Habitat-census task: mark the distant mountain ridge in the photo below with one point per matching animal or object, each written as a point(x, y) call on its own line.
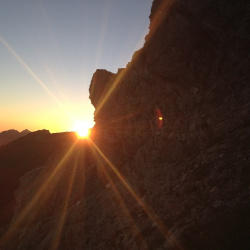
point(11, 135)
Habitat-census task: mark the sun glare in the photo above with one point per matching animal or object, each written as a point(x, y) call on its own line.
point(82, 129)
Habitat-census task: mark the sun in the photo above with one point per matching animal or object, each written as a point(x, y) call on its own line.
point(82, 129)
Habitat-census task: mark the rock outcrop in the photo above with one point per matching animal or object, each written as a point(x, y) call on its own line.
point(167, 166)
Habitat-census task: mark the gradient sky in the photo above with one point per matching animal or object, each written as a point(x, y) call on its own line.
point(51, 48)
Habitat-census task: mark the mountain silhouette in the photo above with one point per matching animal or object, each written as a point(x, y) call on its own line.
point(11, 135)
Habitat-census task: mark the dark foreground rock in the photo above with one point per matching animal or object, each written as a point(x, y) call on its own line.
point(21, 156)
point(167, 166)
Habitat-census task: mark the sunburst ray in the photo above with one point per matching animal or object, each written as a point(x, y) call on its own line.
point(119, 198)
point(149, 211)
point(62, 216)
point(35, 200)
point(29, 70)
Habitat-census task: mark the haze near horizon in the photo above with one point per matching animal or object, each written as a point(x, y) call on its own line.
point(50, 50)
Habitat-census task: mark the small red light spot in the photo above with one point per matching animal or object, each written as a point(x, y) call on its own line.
point(159, 118)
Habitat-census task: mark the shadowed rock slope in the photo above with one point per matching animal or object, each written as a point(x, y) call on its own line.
point(22, 155)
point(167, 166)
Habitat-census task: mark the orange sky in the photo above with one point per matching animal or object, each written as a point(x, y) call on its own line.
point(56, 119)
point(50, 50)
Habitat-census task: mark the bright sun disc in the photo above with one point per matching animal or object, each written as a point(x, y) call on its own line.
point(82, 129)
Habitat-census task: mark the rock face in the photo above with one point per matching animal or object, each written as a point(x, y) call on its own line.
point(168, 164)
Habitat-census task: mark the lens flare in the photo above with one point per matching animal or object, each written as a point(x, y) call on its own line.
point(159, 118)
point(82, 129)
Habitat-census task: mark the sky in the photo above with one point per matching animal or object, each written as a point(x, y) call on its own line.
point(49, 50)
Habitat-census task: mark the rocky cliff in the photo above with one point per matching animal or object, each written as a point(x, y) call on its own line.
point(167, 166)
